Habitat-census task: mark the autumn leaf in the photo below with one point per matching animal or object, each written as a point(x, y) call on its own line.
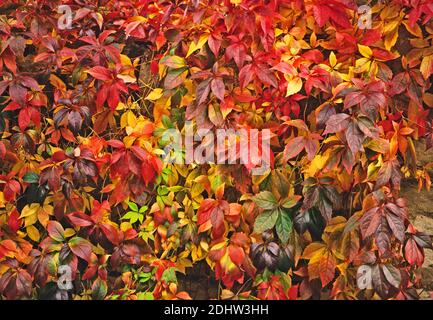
point(80, 247)
point(211, 214)
point(266, 200)
point(426, 67)
point(321, 262)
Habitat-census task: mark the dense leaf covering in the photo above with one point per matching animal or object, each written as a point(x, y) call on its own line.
point(83, 183)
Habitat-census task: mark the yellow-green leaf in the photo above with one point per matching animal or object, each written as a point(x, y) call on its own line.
point(294, 85)
point(365, 51)
point(33, 233)
point(155, 94)
point(197, 46)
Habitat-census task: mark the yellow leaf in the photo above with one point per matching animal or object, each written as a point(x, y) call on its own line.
point(57, 83)
point(174, 62)
point(427, 66)
point(138, 19)
point(197, 46)
point(374, 167)
point(379, 145)
point(127, 78)
point(125, 60)
point(161, 107)
point(100, 19)
point(155, 94)
point(128, 119)
point(362, 65)
point(391, 26)
point(2, 200)
point(332, 59)
point(294, 85)
point(218, 246)
point(226, 263)
point(316, 165)
point(415, 30)
point(365, 51)
point(44, 214)
point(124, 226)
point(336, 224)
point(393, 145)
point(427, 98)
point(226, 294)
point(33, 233)
point(390, 39)
point(389, 12)
point(30, 210)
point(69, 232)
point(315, 249)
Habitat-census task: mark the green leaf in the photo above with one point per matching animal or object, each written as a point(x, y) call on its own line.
point(169, 275)
point(133, 217)
point(284, 226)
point(175, 188)
point(145, 276)
point(216, 182)
point(167, 122)
point(145, 296)
point(99, 289)
point(266, 221)
point(31, 177)
point(266, 200)
point(143, 209)
point(290, 202)
point(175, 78)
point(127, 215)
point(174, 62)
point(56, 231)
point(163, 191)
point(133, 206)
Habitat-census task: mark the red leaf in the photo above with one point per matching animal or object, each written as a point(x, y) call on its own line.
point(11, 189)
point(266, 75)
point(326, 268)
point(23, 283)
point(18, 93)
point(81, 248)
point(214, 45)
point(14, 222)
point(237, 254)
point(80, 219)
point(116, 144)
point(110, 232)
point(237, 51)
point(337, 122)
point(331, 10)
point(218, 88)
point(413, 253)
point(293, 148)
point(354, 137)
point(202, 92)
point(113, 97)
point(246, 75)
point(174, 78)
point(12, 106)
point(213, 211)
point(100, 73)
point(24, 118)
point(2, 150)
point(56, 231)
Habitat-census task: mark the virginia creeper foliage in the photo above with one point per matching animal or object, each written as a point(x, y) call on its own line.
point(83, 183)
